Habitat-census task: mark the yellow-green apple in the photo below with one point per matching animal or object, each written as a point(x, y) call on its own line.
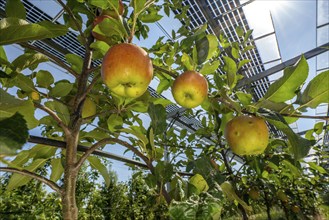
point(96, 21)
point(127, 70)
point(111, 12)
point(254, 193)
point(190, 89)
point(295, 209)
point(35, 96)
point(89, 108)
point(247, 135)
point(282, 196)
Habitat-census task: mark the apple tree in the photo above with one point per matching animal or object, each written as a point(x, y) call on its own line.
point(100, 99)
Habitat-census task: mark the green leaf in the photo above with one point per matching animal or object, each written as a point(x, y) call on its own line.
point(15, 8)
point(239, 31)
point(314, 166)
point(242, 63)
point(103, 4)
point(199, 182)
point(17, 180)
point(247, 48)
point(25, 83)
point(100, 46)
point(207, 48)
point(96, 164)
point(150, 15)
point(284, 88)
point(61, 88)
point(163, 171)
point(9, 105)
point(13, 134)
point(14, 30)
point(112, 29)
point(210, 68)
point(186, 210)
point(57, 169)
point(158, 117)
point(75, 61)
point(3, 57)
point(299, 146)
point(61, 110)
point(318, 127)
point(136, 133)
point(44, 78)
point(247, 35)
point(317, 91)
point(163, 85)
point(230, 68)
point(40, 151)
point(29, 60)
point(229, 191)
point(114, 122)
point(280, 107)
point(21, 158)
point(138, 5)
point(187, 61)
point(244, 98)
point(292, 169)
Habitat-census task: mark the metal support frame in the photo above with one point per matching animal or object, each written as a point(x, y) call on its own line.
point(309, 54)
point(81, 148)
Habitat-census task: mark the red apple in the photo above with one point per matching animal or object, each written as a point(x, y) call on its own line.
point(127, 70)
point(190, 89)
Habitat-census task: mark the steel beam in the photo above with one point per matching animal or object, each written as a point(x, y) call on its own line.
point(309, 54)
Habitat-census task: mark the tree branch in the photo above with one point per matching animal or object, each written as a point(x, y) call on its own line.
point(306, 116)
point(42, 179)
point(91, 150)
point(91, 85)
point(165, 71)
point(54, 116)
point(53, 58)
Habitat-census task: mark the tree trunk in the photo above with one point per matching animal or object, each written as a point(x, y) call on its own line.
point(243, 212)
point(70, 209)
point(285, 212)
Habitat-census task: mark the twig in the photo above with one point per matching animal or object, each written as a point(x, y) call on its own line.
point(93, 69)
point(54, 116)
point(42, 179)
point(87, 119)
point(91, 150)
point(91, 85)
point(53, 98)
point(69, 11)
point(53, 58)
point(165, 71)
point(306, 116)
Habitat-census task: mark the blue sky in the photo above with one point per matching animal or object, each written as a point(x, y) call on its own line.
point(295, 25)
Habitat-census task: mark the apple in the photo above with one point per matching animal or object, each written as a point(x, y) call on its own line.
point(295, 209)
point(127, 70)
point(282, 196)
point(190, 89)
point(96, 21)
point(254, 193)
point(247, 135)
point(111, 12)
point(35, 96)
point(89, 108)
